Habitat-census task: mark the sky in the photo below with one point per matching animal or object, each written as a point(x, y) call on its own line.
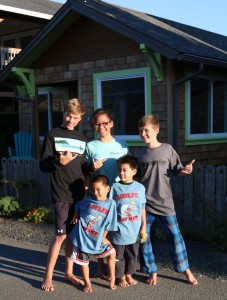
point(205, 14)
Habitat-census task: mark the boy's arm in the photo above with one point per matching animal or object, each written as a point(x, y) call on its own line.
point(75, 218)
point(104, 239)
point(187, 169)
point(51, 160)
point(143, 223)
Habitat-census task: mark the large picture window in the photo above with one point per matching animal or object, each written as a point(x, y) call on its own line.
point(127, 95)
point(206, 109)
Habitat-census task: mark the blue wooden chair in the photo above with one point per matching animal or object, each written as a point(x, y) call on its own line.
point(23, 145)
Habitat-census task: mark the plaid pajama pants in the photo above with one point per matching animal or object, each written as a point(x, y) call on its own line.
point(175, 240)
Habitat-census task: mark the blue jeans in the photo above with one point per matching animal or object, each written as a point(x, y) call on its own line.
point(174, 238)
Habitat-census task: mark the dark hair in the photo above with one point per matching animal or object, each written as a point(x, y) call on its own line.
point(101, 178)
point(129, 159)
point(101, 111)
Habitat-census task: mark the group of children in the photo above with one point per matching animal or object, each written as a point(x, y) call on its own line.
point(110, 226)
point(118, 211)
point(119, 220)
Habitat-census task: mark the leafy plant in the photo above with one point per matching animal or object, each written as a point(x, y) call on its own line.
point(8, 204)
point(39, 215)
point(17, 184)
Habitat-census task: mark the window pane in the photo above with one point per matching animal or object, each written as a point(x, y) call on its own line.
point(200, 109)
point(125, 99)
point(51, 108)
point(220, 107)
point(43, 114)
point(9, 43)
point(58, 102)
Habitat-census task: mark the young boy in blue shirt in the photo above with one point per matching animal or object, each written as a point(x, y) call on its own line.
point(129, 196)
point(94, 216)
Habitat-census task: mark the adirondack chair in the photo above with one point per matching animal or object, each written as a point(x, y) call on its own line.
point(23, 145)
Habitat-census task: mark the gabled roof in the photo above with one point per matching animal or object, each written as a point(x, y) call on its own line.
point(171, 39)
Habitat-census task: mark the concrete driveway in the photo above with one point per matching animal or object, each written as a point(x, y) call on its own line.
point(22, 266)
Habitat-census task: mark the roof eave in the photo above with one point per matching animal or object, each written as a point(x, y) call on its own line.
point(202, 59)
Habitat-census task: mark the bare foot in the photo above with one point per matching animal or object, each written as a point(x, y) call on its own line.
point(130, 280)
point(112, 283)
point(152, 280)
point(122, 282)
point(190, 277)
point(74, 280)
point(88, 288)
point(47, 285)
point(100, 275)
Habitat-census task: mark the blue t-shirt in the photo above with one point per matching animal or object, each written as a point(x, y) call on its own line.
point(95, 217)
point(110, 151)
point(130, 200)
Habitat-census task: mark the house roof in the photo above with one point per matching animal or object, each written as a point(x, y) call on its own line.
point(171, 39)
point(40, 9)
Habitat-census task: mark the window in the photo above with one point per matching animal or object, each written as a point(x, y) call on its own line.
point(51, 102)
point(9, 43)
point(206, 110)
point(127, 95)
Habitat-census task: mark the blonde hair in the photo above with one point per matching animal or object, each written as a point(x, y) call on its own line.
point(149, 120)
point(75, 106)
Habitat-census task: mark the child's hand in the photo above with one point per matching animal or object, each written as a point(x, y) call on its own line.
point(74, 221)
point(97, 164)
point(143, 237)
point(66, 157)
point(142, 229)
point(188, 168)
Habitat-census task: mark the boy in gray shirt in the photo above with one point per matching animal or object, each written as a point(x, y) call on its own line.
point(156, 163)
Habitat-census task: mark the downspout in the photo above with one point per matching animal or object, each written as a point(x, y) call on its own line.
point(175, 103)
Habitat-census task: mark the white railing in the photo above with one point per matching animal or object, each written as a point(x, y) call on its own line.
point(7, 55)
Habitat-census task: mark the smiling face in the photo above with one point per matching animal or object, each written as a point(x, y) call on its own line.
point(126, 173)
point(149, 134)
point(100, 191)
point(70, 121)
point(103, 125)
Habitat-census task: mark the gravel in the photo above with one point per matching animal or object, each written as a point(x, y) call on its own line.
point(41, 234)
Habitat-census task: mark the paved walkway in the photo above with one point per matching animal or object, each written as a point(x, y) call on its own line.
point(22, 267)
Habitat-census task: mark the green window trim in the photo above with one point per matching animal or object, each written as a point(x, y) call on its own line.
point(132, 140)
point(198, 139)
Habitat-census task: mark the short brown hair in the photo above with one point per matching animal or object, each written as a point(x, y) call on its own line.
point(101, 178)
point(75, 106)
point(149, 120)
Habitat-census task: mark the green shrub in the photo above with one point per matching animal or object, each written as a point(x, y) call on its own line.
point(8, 204)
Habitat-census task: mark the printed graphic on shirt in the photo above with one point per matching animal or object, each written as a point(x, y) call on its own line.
point(129, 210)
point(94, 219)
point(71, 145)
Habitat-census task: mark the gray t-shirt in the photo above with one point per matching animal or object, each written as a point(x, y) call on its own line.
point(156, 166)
